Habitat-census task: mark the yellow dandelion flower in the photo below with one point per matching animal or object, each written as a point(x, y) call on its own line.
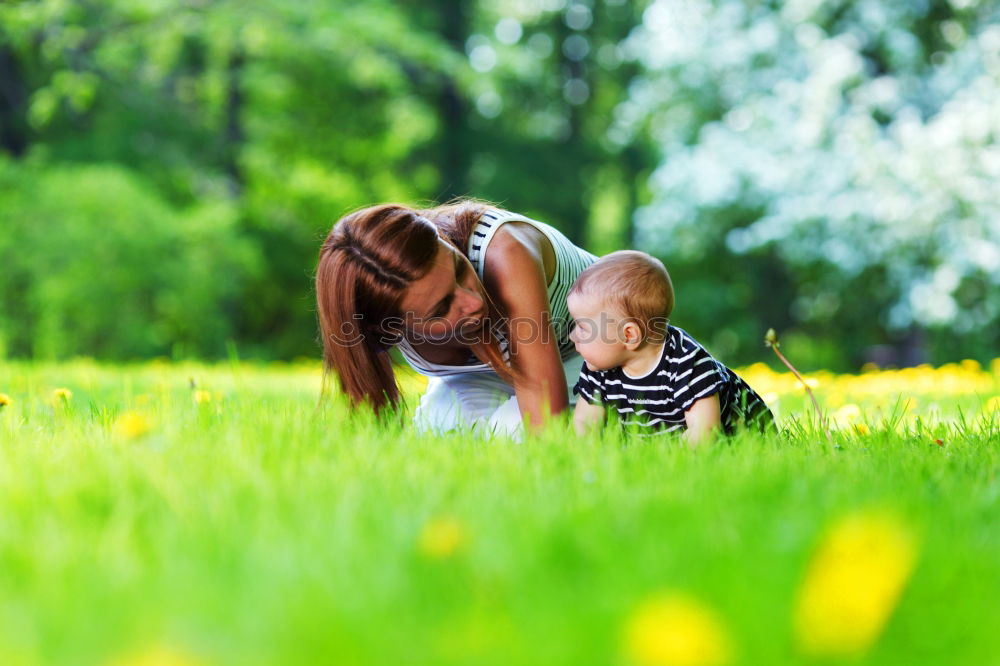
point(847, 414)
point(971, 365)
point(675, 630)
point(132, 425)
point(62, 395)
point(200, 396)
point(853, 584)
point(5, 400)
point(861, 428)
point(811, 382)
point(441, 538)
point(992, 405)
point(158, 655)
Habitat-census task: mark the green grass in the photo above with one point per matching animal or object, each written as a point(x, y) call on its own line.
point(254, 529)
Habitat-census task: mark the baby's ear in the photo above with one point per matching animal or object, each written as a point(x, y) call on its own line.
point(632, 334)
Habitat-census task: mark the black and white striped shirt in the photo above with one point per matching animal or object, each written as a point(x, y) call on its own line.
point(656, 402)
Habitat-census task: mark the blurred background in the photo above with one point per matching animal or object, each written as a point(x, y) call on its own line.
point(829, 168)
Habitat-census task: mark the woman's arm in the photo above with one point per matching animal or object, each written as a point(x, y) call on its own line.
point(515, 278)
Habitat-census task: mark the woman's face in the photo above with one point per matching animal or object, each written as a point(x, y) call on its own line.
point(448, 303)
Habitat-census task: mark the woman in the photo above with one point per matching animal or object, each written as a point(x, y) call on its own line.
point(473, 296)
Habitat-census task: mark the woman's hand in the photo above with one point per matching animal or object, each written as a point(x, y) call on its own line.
point(515, 278)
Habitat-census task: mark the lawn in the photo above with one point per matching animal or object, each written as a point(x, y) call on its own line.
point(182, 514)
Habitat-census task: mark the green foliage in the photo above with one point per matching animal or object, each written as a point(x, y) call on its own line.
point(824, 168)
point(96, 263)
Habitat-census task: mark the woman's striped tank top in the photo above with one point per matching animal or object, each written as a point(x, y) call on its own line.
point(570, 262)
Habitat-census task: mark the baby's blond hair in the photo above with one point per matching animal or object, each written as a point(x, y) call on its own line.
point(635, 284)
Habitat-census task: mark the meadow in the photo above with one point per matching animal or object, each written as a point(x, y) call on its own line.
point(173, 514)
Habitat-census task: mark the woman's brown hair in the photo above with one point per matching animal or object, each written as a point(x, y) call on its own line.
point(367, 262)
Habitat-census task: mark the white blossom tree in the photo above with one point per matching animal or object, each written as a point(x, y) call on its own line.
point(854, 142)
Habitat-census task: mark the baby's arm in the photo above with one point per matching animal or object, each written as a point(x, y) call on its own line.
point(586, 416)
point(702, 417)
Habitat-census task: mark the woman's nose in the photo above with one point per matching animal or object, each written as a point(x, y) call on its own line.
point(472, 302)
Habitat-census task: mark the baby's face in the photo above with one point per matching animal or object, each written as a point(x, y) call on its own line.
point(595, 332)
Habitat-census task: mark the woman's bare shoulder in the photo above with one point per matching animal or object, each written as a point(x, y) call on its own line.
point(517, 246)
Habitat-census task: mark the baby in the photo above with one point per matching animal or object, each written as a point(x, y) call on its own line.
point(654, 375)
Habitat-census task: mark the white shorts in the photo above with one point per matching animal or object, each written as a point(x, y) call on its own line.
point(479, 402)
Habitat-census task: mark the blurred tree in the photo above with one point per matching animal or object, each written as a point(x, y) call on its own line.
point(298, 112)
point(550, 76)
point(136, 279)
point(843, 155)
point(840, 154)
point(295, 113)
point(13, 98)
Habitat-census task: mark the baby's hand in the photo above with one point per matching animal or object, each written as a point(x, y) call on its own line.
point(587, 416)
